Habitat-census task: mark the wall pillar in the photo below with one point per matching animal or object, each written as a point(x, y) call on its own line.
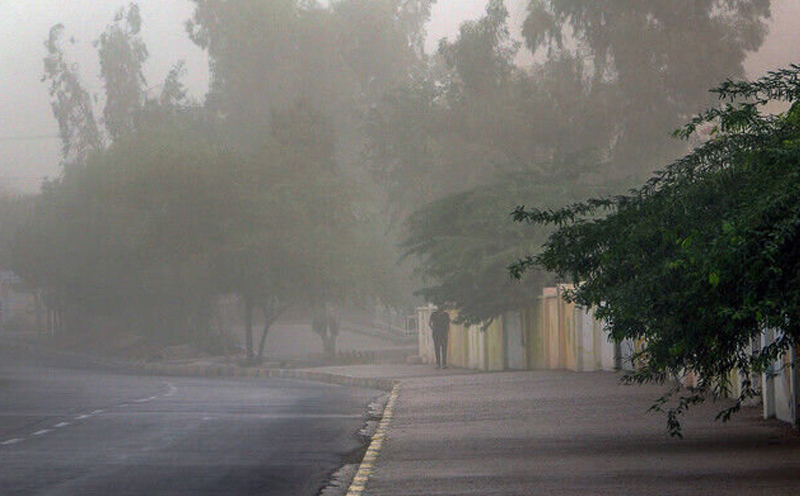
point(768, 379)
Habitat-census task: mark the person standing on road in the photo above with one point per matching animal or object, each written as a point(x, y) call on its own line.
point(440, 325)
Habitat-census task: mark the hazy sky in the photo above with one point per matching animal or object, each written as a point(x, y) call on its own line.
point(24, 25)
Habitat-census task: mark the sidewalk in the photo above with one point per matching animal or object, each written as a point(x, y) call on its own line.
point(562, 433)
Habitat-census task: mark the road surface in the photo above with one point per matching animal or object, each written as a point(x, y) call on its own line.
point(82, 432)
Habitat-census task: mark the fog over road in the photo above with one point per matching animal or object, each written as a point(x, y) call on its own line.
point(76, 432)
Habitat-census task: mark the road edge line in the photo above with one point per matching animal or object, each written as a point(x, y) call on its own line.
point(367, 465)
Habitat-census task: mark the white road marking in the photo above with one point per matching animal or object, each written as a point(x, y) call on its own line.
point(171, 390)
point(123, 405)
point(39, 433)
point(81, 417)
point(62, 424)
point(11, 441)
point(142, 400)
point(206, 419)
point(308, 415)
point(97, 412)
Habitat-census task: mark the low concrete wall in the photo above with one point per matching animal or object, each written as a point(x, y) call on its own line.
point(550, 329)
point(495, 358)
point(533, 321)
point(779, 391)
point(425, 335)
point(585, 330)
point(457, 343)
point(476, 348)
point(560, 335)
point(566, 330)
point(550, 334)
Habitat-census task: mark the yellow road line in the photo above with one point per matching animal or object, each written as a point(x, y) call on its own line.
point(368, 463)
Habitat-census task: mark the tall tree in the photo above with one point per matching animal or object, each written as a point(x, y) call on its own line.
point(483, 53)
point(382, 41)
point(660, 55)
point(71, 103)
point(473, 116)
point(124, 242)
point(465, 241)
point(594, 109)
point(122, 56)
point(266, 56)
point(703, 257)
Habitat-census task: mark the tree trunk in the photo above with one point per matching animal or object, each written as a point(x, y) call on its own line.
point(333, 333)
point(268, 320)
point(37, 303)
point(329, 344)
point(332, 321)
point(51, 328)
point(248, 330)
point(58, 321)
point(319, 325)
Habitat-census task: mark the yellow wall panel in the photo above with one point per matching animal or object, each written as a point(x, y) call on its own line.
point(494, 345)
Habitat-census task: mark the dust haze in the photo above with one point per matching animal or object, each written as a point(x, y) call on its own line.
point(283, 185)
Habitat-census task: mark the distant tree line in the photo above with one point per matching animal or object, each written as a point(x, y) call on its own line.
point(587, 110)
point(330, 144)
point(695, 264)
point(164, 204)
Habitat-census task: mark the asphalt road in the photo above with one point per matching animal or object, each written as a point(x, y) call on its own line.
point(82, 432)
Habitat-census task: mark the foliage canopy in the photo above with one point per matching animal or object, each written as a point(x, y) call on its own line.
point(704, 256)
point(464, 242)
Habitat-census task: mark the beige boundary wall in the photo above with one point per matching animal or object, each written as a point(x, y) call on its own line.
point(550, 334)
point(424, 334)
point(561, 335)
point(780, 385)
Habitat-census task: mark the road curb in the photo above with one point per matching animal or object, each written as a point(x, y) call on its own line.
point(359, 483)
point(214, 370)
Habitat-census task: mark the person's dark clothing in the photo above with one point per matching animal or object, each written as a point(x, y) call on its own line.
point(440, 327)
point(440, 347)
point(440, 321)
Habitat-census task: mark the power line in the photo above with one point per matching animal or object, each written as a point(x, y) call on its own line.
point(28, 177)
point(31, 137)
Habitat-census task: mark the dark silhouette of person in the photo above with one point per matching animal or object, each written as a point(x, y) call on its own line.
point(440, 325)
